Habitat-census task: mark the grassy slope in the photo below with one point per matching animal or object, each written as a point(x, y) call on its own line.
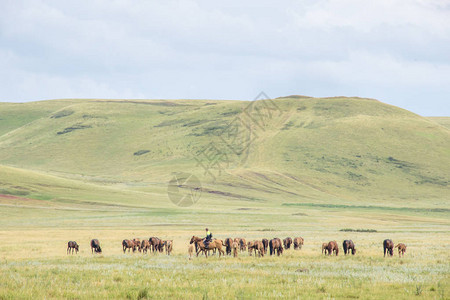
point(310, 150)
point(444, 121)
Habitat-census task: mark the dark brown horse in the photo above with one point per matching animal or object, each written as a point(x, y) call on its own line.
point(95, 245)
point(349, 245)
point(401, 249)
point(214, 244)
point(298, 243)
point(388, 246)
point(265, 244)
point(242, 245)
point(161, 246)
point(324, 248)
point(287, 242)
point(154, 243)
point(137, 245)
point(145, 246)
point(127, 244)
point(332, 247)
point(228, 245)
point(72, 245)
point(275, 246)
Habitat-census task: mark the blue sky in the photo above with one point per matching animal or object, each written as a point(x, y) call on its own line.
point(394, 51)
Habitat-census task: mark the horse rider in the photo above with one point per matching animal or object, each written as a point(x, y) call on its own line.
point(208, 238)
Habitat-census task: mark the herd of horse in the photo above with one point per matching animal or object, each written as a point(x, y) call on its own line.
point(153, 244)
point(198, 245)
point(236, 245)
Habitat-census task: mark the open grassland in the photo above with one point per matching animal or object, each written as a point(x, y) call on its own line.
point(40, 268)
point(83, 169)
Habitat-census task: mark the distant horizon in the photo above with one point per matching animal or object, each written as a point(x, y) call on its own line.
point(209, 99)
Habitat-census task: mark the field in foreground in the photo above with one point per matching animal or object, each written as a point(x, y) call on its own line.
point(40, 268)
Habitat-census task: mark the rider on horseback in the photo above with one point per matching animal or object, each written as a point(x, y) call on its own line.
point(208, 238)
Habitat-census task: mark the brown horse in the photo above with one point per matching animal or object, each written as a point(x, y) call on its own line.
point(287, 242)
point(324, 248)
point(250, 247)
point(401, 249)
point(348, 245)
point(242, 245)
point(95, 245)
point(265, 244)
point(127, 244)
point(259, 247)
point(298, 243)
point(228, 245)
point(388, 246)
point(137, 244)
point(275, 246)
point(154, 243)
point(145, 246)
point(214, 244)
point(161, 246)
point(235, 247)
point(333, 247)
point(168, 245)
point(71, 245)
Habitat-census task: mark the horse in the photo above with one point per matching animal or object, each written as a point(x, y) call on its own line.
point(388, 246)
point(145, 246)
point(95, 245)
point(214, 244)
point(287, 242)
point(401, 249)
point(137, 244)
point(228, 245)
point(275, 245)
point(169, 246)
point(298, 243)
point(72, 245)
point(333, 247)
point(235, 247)
point(259, 247)
point(154, 243)
point(348, 245)
point(324, 248)
point(265, 244)
point(250, 247)
point(161, 246)
point(242, 245)
point(127, 244)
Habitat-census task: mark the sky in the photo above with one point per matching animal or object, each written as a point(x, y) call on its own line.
point(395, 51)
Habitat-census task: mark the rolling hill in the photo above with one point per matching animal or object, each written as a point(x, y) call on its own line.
point(287, 151)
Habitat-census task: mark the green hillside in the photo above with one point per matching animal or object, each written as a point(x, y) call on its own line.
point(444, 121)
point(300, 150)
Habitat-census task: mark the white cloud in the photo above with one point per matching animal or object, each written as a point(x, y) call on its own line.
point(199, 49)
